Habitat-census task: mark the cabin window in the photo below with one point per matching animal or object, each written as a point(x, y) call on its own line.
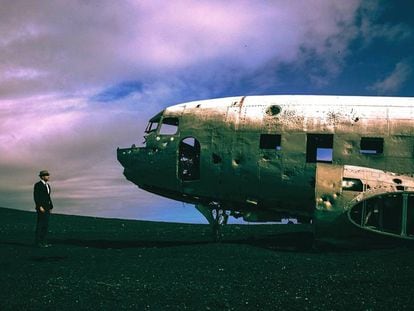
point(352, 184)
point(319, 148)
point(169, 126)
point(270, 141)
point(372, 145)
point(189, 159)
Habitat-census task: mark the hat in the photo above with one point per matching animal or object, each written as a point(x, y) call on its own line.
point(43, 173)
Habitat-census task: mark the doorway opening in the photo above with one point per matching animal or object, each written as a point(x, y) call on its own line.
point(189, 159)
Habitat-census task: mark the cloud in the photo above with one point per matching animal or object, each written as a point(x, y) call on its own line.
point(394, 81)
point(371, 27)
point(78, 146)
point(80, 78)
point(84, 45)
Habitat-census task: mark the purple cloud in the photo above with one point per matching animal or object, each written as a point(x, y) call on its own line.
point(60, 55)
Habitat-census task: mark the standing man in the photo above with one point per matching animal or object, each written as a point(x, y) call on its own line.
point(41, 194)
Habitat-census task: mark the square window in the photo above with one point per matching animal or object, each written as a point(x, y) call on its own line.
point(372, 145)
point(319, 148)
point(324, 155)
point(270, 141)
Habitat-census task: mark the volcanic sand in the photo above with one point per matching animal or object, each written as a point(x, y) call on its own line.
point(107, 264)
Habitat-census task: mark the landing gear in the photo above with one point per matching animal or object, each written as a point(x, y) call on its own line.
point(216, 217)
point(220, 220)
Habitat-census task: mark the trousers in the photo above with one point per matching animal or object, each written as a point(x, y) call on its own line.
point(42, 226)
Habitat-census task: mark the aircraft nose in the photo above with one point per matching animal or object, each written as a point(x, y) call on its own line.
point(126, 156)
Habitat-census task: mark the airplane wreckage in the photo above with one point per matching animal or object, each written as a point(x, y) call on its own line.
point(344, 163)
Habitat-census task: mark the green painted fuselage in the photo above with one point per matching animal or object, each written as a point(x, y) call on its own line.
point(259, 154)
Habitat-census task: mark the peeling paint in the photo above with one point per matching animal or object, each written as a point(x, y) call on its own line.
point(243, 177)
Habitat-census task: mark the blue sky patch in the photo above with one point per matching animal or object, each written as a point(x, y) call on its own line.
point(118, 91)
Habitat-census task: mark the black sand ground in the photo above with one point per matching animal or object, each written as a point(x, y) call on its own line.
point(102, 264)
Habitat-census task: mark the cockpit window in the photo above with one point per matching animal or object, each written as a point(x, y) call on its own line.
point(153, 123)
point(151, 127)
point(169, 126)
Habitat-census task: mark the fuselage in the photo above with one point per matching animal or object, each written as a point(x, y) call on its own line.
point(261, 153)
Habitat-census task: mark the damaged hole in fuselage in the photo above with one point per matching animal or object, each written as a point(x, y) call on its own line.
point(384, 214)
point(352, 184)
point(392, 213)
point(273, 110)
point(216, 158)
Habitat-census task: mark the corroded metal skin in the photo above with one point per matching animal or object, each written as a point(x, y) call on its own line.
point(379, 204)
point(270, 157)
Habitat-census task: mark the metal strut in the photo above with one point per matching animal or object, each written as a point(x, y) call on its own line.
point(216, 217)
point(220, 220)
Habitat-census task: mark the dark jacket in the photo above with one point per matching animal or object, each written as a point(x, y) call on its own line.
point(41, 196)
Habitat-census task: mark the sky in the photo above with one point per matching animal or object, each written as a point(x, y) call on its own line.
point(79, 78)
